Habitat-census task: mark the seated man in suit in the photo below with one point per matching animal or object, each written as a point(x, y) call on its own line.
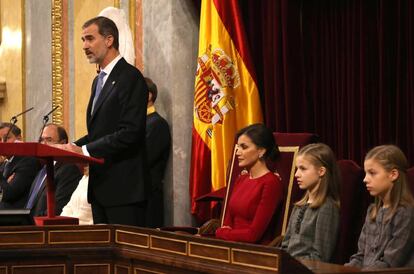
point(158, 142)
point(17, 172)
point(66, 178)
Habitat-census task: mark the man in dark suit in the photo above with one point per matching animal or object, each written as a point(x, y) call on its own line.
point(158, 150)
point(116, 116)
point(66, 177)
point(17, 172)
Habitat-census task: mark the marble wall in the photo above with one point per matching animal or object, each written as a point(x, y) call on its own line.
point(170, 35)
point(38, 65)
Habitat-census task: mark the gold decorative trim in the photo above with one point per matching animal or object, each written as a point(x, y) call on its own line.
point(233, 158)
point(190, 244)
point(147, 270)
point(276, 256)
point(88, 265)
point(57, 60)
point(1, 29)
point(294, 150)
point(117, 232)
point(77, 232)
point(117, 4)
point(37, 266)
point(42, 233)
point(132, 17)
point(116, 266)
point(168, 240)
point(23, 61)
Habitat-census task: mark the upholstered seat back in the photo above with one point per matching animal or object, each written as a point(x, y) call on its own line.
point(289, 145)
point(354, 203)
point(410, 179)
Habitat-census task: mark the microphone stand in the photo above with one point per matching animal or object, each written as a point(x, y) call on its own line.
point(13, 121)
point(45, 120)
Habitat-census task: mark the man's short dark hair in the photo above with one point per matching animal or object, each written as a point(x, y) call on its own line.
point(15, 130)
point(61, 131)
point(152, 88)
point(106, 27)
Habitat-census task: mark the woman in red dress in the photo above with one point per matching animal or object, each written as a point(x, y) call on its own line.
point(258, 193)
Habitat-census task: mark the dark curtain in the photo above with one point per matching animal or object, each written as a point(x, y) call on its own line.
point(341, 69)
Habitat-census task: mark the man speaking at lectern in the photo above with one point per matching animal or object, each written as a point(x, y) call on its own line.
point(115, 119)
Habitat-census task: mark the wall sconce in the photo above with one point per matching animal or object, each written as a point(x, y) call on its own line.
point(3, 90)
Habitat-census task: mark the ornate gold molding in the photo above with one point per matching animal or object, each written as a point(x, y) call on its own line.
point(1, 29)
point(3, 89)
point(57, 60)
point(132, 18)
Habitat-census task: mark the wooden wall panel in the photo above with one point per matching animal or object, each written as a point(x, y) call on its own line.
point(92, 269)
point(167, 253)
point(122, 269)
point(38, 269)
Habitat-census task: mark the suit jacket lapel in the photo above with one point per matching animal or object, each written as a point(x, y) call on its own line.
point(9, 166)
point(44, 183)
point(106, 90)
point(88, 111)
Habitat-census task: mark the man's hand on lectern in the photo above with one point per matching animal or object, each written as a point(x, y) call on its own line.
point(70, 147)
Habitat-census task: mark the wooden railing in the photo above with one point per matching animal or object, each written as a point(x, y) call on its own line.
point(117, 249)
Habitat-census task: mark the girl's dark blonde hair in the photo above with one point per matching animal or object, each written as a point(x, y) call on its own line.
point(321, 155)
point(391, 157)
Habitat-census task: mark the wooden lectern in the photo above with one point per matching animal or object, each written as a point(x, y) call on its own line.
point(48, 154)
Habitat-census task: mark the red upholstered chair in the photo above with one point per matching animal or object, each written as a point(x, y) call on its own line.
point(410, 178)
point(289, 145)
point(355, 200)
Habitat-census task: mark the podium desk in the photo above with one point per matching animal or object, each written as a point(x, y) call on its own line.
point(48, 154)
point(109, 249)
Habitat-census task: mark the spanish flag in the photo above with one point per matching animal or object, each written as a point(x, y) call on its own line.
point(226, 97)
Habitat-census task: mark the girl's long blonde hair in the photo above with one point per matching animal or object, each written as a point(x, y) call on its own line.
point(391, 157)
point(321, 155)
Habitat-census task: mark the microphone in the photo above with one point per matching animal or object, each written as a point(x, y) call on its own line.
point(46, 117)
point(13, 121)
point(45, 120)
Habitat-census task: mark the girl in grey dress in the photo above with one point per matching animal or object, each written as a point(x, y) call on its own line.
point(387, 237)
point(313, 225)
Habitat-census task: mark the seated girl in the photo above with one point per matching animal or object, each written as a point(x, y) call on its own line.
point(258, 193)
point(314, 223)
point(387, 237)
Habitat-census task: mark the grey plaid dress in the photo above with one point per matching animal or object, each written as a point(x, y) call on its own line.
point(385, 244)
point(312, 232)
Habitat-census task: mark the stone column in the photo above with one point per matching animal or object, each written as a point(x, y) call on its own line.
point(38, 69)
point(170, 35)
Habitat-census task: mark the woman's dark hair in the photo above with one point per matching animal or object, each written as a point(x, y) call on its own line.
point(262, 137)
